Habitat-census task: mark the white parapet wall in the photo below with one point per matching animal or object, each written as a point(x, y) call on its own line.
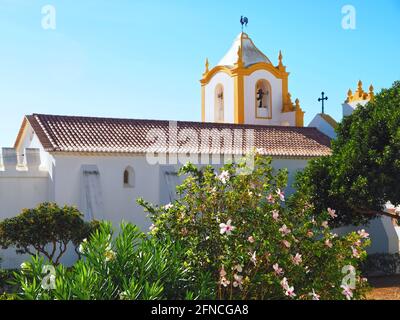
point(23, 184)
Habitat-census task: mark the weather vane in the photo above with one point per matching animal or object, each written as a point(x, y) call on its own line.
point(244, 21)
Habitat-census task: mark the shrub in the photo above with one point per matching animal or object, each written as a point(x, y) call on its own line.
point(132, 266)
point(6, 296)
point(47, 229)
point(237, 232)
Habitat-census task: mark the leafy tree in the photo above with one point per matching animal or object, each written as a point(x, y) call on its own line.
point(47, 229)
point(236, 231)
point(363, 173)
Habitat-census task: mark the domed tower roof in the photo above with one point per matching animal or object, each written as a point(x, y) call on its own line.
point(250, 53)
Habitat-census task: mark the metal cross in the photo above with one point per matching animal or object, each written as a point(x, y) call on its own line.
point(323, 99)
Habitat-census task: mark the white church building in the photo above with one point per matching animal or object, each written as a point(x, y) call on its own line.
point(102, 165)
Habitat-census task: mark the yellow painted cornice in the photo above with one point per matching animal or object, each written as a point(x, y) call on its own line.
point(360, 94)
point(280, 74)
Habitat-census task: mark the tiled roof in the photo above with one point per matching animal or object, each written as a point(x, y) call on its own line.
point(108, 135)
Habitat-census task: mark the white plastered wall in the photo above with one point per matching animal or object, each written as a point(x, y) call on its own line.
point(229, 99)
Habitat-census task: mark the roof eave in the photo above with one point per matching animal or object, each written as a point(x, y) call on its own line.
point(20, 133)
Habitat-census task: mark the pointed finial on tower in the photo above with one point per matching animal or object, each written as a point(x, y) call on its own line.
point(360, 91)
point(349, 93)
point(297, 103)
point(280, 66)
point(371, 92)
point(349, 96)
point(207, 65)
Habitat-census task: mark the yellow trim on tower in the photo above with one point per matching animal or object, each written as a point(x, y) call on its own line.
point(203, 103)
point(244, 71)
point(360, 94)
point(299, 114)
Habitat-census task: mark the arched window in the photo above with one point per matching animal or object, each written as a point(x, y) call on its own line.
point(219, 103)
point(129, 177)
point(263, 99)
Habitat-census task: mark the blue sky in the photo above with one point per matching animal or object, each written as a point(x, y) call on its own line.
point(144, 59)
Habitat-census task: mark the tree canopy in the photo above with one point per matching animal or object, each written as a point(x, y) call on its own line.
point(47, 229)
point(363, 172)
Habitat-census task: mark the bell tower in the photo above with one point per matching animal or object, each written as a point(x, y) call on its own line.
point(246, 88)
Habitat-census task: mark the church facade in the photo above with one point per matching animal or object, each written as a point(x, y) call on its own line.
point(101, 165)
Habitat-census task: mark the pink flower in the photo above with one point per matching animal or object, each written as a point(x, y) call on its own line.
point(358, 243)
point(363, 234)
point(332, 213)
point(314, 295)
point(222, 272)
point(286, 243)
point(290, 292)
point(347, 292)
point(168, 206)
point(284, 230)
point(277, 269)
point(271, 199)
point(251, 239)
point(284, 283)
point(238, 281)
point(275, 215)
point(281, 194)
point(297, 259)
point(226, 228)
point(225, 282)
point(325, 224)
point(328, 243)
point(224, 177)
point(253, 257)
point(356, 254)
point(238, 268)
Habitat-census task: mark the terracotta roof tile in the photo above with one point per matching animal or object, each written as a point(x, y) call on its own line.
point(108, 135)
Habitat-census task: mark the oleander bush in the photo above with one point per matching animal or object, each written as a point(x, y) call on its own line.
point(236, 226)
point(130, 266)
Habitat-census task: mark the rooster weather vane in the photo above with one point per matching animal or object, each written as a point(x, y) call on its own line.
point(244, 21)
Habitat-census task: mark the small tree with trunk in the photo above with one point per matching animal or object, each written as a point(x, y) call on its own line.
point(47, 229)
